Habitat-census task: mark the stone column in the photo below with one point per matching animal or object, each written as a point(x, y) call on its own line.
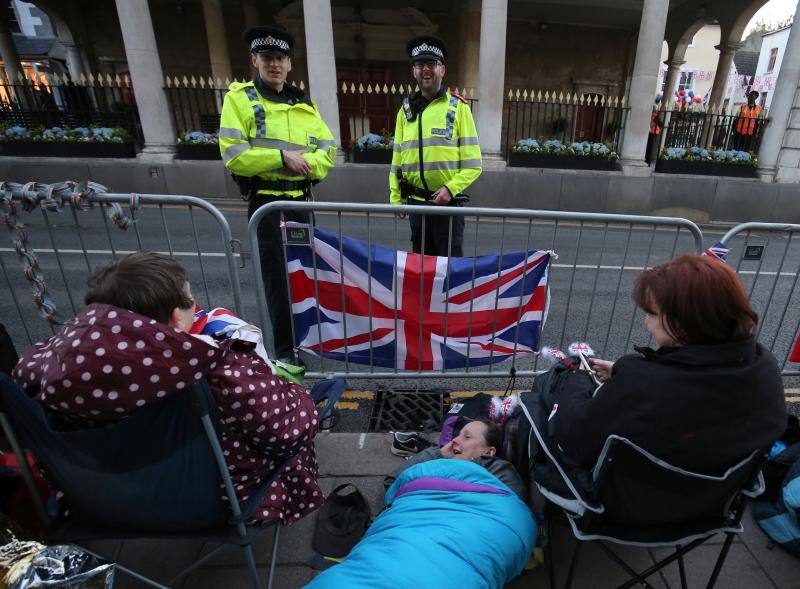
point(470, 45)
point(147, 77)
point(726, 53)
point(74, 61)
point(250, 10)
point(673, 76)
point(322, 62)
point(779, 156)
point(8, 51)
point(643, 84)
point(491, 77)
point(217, 40)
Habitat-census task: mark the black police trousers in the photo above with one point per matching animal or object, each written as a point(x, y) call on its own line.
point(436, 232)
point(273, 268)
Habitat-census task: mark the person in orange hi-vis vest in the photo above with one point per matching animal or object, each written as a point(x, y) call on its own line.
point(746, 128)
point(656, 124)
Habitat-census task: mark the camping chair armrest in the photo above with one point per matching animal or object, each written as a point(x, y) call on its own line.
point(757, 488)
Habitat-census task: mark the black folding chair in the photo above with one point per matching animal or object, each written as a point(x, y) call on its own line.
point(636, 499)
point(158, 473)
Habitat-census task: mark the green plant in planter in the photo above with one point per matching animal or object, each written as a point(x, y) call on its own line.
point(735, 157)
point(93, 134)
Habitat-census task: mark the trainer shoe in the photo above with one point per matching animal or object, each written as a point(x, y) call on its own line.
point(408, 443)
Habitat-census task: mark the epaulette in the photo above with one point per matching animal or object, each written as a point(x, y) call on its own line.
point(461, 98)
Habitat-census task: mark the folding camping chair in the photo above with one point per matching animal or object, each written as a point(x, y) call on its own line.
point(639, 500)
point(155, 474)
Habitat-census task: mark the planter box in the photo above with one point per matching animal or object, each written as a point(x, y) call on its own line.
point(190, 151)
point(372, 156)
point(734, 170)
point(563, 162)
point(684, 167)
point(66, 149)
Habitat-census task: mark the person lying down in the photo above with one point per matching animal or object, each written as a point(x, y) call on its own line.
point(453, 517)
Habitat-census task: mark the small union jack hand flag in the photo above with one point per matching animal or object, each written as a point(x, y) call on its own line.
point(581, 347)
point(718, 251)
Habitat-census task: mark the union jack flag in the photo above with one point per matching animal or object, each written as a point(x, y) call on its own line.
point(719, 250)
point(416, 314)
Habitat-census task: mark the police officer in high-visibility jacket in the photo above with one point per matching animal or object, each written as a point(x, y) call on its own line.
point(436, 152)
point(274, 141)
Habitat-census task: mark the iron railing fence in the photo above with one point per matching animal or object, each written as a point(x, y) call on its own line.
point(50, 100)
point(567, 118)
point(712, 129)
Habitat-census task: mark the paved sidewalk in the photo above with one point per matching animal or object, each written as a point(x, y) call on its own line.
point(364, 459)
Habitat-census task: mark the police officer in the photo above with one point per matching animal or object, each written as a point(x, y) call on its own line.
point(436, 152)
point(274, 141)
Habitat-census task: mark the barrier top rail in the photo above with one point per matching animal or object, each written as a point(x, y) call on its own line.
point(583, 219)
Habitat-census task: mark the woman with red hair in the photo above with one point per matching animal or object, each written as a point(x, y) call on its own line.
point(705, 398)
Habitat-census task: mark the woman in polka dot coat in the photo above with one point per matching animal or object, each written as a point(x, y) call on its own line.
point(109, 361)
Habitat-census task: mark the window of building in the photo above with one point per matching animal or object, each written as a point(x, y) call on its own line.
point(764, 98)
point(13, 23)
point(687, 81)
point(773, 57)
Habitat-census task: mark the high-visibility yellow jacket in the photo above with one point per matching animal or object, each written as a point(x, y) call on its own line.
point(254, 130)
point(437, 147)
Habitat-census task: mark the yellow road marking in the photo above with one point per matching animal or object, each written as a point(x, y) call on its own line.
point(358, 395)
point(352, 405)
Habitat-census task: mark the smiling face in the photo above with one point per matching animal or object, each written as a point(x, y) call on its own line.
point(428, 74)
point(471, 442)
point(273, 68)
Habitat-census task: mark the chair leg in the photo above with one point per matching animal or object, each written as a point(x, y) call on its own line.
point(549, 554)
point(720, 561)
point(274, 559)
point(250, 559)
point(573, 564)
point(681, 568)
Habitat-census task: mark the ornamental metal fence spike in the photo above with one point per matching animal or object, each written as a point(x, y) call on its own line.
point(369, 88)
point(227, 82)
point(302, 85)
point(176, 82)
point(82, 79)
point(622, 102)
point(193, 80)
point(525, 95)
point(218, 82)
point(344, 88)
point(352, 88)
point(167, 82)
point(547, 96)
point(385, 88)
point(185, 82)
point(360, 88)
point(201, 82)
point(416, 88)
point(393, 89)
point(517, 95)
point(109, 80)
point(510, 94)
point(90, 79)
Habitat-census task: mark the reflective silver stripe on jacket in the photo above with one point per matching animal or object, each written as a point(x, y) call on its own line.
point(427, 142)
point(438, 166)
point(325, 144)
point(467, 141)
point(234, 150)
point(230, 133)
point(258, 111)
point(277, 144)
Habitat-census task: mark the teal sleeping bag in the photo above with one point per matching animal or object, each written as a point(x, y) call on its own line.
point(449, 523)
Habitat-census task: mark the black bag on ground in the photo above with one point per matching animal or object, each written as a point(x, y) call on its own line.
point(341, 522)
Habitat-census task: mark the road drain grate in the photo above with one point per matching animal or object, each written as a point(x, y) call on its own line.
point(408, 410)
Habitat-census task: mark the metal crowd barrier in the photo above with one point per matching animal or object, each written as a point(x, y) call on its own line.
point(69, 244)
point(599, 256)
point(767, 258)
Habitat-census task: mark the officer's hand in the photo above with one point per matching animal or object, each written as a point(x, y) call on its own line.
point(442, 196)
point(296, 163)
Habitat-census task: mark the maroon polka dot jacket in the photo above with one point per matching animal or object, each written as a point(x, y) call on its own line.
point(108, 362)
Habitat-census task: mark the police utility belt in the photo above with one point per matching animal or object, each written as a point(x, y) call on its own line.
point(407, 191)
point(250, 185)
